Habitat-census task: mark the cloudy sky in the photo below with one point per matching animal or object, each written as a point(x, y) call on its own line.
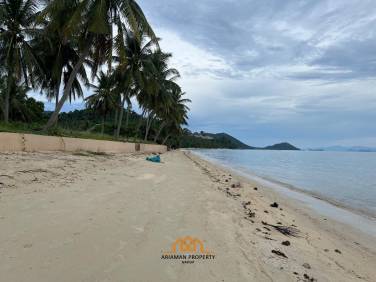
point(267, 71)
point(271, 70)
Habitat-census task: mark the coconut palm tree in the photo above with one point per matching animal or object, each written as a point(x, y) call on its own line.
point(134, 65)
point(16, 53)
point(58, 57)
point(103, 99)
point(175, 115)
point(91, 25)
point(158, 97)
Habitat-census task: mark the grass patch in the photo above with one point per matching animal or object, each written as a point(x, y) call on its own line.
point(37, 128)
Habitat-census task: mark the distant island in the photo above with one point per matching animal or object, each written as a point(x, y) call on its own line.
point(223, 141)
point(344, 149)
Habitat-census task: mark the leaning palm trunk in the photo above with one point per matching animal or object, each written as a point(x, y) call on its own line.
point(67, 90)
point(120, 117)
point(159, 131)
point(166, 138)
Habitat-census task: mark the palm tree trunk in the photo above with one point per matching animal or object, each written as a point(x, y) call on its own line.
point(6, 105)
point(102, 130)
point(164, 140)
point(116, 118)
point(56, 99)
point(7, 97)
point(140, 122)
point(57, 90)
point(120, 118)
point(127, 117)
point(148, 125)
point(67, 90)
point(159, 131)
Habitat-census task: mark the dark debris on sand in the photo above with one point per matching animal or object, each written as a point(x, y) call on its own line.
point(274, 205)
point(286, 243)
point(279, 253)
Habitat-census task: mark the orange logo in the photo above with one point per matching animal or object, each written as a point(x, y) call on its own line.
point(188, 249)
point(188, 245)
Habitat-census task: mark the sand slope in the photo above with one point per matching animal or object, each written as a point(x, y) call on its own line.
point(67, 217)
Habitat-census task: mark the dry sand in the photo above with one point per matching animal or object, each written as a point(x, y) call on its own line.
point(67, 217)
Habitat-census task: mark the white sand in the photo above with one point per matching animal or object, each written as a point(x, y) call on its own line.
point(67, 217)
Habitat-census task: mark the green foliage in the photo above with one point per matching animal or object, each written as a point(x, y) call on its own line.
point(50, 45)
point(21, 107)
point(210, 140)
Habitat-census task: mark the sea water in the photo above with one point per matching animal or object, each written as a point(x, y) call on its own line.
point(346, 179)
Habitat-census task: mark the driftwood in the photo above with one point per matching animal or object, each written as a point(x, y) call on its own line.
point(285, 230)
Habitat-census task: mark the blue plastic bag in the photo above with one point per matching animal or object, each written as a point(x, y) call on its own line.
point(154, 159)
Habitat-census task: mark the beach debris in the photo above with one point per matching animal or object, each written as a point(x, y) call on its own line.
point(296, 273)
point(286, 243)
point(285, 230)
point(226, 180)
point(255, 188)
point(271, 239)
point(338, 251)
point(233, 195)
point(306, 265)
point(279, 253)
point(236, 185)
point(154, 159)
point(274, 205)
point(266, 228)
point(266, 212)
point(251, 214)
point(247, 218)
point(307, 278)
point(245, 204)
point(248, 211)
point(280, 223)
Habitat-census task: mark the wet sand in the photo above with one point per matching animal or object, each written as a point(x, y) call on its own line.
point(84, 217)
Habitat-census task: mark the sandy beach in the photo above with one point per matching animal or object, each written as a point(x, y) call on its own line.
point(89, 217)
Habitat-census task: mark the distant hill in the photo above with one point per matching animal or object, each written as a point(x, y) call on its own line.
point(212, 141)
point(281, 146)
point(223, 141)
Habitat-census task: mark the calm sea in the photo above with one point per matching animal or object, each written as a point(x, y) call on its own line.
point(345, 178)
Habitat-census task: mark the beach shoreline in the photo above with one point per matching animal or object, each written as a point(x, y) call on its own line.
point(333, 207)
point(59, 211)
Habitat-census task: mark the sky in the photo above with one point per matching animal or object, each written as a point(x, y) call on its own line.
point(301, 71)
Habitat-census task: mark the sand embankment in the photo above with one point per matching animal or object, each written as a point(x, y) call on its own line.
point(77, 217)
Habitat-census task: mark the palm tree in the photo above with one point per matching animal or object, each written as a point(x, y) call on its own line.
point(103, 99)
point(91, 25)
point(176, 115)
point(158, 97)
point(134, 65)
point(58, 57)
point(16, 53)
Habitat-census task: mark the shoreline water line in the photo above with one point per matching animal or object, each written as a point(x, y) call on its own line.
point(364, 221)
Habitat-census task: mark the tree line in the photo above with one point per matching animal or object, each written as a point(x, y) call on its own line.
point(58, 47)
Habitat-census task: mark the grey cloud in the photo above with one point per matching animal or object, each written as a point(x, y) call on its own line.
point(261, 34)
